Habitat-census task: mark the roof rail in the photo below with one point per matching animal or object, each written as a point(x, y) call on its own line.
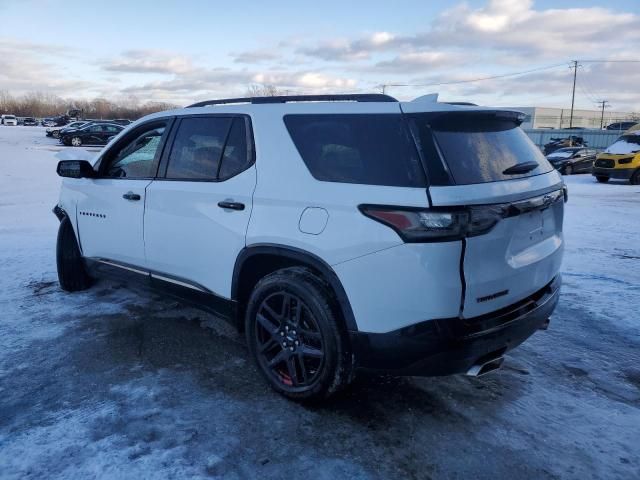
point(359, 97)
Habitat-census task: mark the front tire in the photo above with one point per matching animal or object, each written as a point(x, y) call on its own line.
point(602, 179)
point(568, 170)
point(72, 273)
point(296, 336)
point(76, 141)
point(635, 178)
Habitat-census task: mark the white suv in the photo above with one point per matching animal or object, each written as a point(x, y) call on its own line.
point(339, 232)
point(9, 120)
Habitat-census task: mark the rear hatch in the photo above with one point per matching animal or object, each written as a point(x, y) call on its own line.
point(481, 162)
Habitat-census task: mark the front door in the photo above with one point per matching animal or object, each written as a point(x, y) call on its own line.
point(111, 207)
point(197, 215)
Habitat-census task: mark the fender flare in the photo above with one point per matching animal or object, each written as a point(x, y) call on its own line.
point(300, 256)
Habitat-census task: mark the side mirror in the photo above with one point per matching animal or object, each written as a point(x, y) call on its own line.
point(75, 169)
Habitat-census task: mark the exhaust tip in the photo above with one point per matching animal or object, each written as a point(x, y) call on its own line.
point(481, 369)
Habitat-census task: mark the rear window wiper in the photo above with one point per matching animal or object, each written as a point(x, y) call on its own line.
point(523, 167)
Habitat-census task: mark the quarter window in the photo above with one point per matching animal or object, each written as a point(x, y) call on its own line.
point(352, 148)
point(137, 158)
point(235, 158)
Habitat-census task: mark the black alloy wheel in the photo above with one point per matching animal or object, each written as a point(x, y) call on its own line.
point(296, 335)
point(289, 341)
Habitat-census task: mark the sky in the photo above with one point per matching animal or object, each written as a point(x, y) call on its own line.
point(190, 50)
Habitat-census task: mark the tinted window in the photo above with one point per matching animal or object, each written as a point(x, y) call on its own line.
point(95, 129)
point(112, 129)
point(137, 157)
point(366, 149)
point(235, 158)
point(197, 148)
point(478, 148)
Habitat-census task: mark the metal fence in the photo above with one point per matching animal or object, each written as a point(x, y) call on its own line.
point(594, 138)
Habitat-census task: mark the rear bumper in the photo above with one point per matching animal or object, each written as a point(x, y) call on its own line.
point(454, 345)
point(617, 173)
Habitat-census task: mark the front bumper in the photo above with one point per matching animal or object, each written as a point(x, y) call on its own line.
point(454, 345)
point(617, 173)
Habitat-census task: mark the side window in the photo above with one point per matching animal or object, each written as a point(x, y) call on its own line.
point(236, 157)
point(111, 129)
point(368, 149)
point(197, 148)
point(137, 157)
point(96, 129)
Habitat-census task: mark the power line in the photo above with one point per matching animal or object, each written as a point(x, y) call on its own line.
point(512, 74)
point(610, 61)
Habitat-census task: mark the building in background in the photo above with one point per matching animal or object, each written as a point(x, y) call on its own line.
point(544, 117)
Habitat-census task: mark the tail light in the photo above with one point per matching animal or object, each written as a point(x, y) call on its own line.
point(424, 225)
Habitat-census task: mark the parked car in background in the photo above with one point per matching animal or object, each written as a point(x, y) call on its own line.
point(122, 121)
point(622, 126)
point(90, 134)
point(48, 122)
point(390, 253)
point(9, 120)
point(55, 131)
point(570, 160)
point(557, 143)
point(621, 160)
point(29, 122)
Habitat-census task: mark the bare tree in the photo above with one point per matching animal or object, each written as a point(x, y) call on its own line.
point(262, 90)
point(40, 104)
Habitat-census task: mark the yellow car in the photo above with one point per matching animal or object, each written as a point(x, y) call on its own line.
point(621, 160)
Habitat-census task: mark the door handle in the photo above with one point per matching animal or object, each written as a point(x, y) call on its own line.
point(131, 196)
point(231, 205)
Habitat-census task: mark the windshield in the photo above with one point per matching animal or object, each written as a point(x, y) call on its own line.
point(477, 147)
point(625, 144)
point(9, 117)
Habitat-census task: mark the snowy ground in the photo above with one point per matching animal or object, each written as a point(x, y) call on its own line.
point(114, 383)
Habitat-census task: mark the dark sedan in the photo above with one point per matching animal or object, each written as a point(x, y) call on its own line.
point(29, 122)
point(56, 131)
point(91, 134)
point(572, 160)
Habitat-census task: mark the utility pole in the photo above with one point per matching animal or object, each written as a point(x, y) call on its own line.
point(573, 92)
point(384, 87)
point(604, 104)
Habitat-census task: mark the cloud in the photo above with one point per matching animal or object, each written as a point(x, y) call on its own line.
point(28, 66)
point(418, 61)
point(255, 56)
point(149, 61)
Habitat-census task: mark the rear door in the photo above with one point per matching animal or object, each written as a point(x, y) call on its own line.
point(478, 159)
point(197, 213)
point(111, 208)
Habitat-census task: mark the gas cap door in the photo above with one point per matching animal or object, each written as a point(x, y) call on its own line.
point(313, 220)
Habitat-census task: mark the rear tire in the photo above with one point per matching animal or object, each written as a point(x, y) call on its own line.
point(55, 134)
point(296, 336)
point(568, 170)
point(635, 178)
point(76, 142)
point(72, 273)
point(602, 179)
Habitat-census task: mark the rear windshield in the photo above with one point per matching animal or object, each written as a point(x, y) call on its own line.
point(372, 149)
point(475, 148)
